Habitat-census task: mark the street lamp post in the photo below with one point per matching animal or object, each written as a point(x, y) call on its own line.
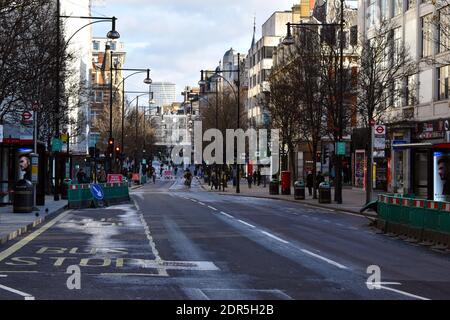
point(147, 80)
point(113, 34)
point(217, 73)
point(289, 40)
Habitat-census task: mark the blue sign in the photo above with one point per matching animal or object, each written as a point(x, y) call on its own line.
point(97, 192)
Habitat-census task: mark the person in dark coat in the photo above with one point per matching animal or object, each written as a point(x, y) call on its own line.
point(309, 182)
point(319, 179)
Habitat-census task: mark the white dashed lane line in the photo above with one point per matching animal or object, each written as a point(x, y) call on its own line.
point(247, 224)
point(226, 215)
point(274, 237)
point(212, 208)
point(201, 203)
point(334, 263)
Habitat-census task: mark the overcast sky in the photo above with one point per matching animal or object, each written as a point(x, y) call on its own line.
point(178, 38)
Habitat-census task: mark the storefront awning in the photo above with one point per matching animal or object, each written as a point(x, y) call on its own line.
point(413, 145)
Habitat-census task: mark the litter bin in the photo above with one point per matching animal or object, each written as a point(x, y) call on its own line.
point(274, 187)
point(65, 188)
point(23, 197)
point(299, 190)
point(324, 192)
point(286, 182)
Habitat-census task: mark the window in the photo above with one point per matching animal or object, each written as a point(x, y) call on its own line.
point(372, 13)
point(398, 7)
point(397, 42)
point(442, 75)
point(96, 45)
point(268, 52)
point(398, 94)
point(93, 139)
point(443, 30)
point(94, 115)
point(265, 75)
point(426, 35)
point(410, 4)
point(112, 45)
point(410, 93)
point(98, 96)
point(384, 9)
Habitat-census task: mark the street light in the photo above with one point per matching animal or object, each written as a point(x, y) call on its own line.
point(147, 80)
point(289, 40)
point(217, 73)
point(113, 34)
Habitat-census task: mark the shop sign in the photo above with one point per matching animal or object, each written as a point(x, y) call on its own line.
point(340, 148)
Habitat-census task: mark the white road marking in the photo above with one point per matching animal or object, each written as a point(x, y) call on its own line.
point(334, 263)
point(131, 275)
point(3, 275)
point(247, 224)
point(212, 208)
point(329, 210)
point(404, 293)
point(26, 296)
point(17, 246)
point(227, 215)
point(162, 271)
point(201, 203)
point(193, 200)
point(274, 237)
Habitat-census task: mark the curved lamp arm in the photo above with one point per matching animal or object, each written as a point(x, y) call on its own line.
point(91, 23)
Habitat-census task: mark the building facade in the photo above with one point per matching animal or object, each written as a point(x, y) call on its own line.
point(419, 136)
point(102, 49)
point(164, 94)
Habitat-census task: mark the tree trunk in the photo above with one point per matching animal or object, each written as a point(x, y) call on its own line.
point(292, 164)
point(314, 150)
point(369, 167)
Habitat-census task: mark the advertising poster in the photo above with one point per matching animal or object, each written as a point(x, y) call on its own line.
point(441, 176)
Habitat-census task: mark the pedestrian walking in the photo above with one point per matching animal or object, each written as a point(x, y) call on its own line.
point(249, 180)
point(258, 177)
point(319, 179)
point(81, 176)
point(254, 177)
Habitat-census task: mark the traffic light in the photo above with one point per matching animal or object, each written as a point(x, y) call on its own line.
point(117, 152)
point(111, 142)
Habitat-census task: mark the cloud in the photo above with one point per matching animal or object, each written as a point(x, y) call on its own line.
point(178, 38)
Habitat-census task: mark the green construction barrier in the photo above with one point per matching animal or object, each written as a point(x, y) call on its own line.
point(80, 196)
point(431, 215)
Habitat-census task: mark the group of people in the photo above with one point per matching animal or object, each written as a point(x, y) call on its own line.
point(82, 177)
point(254, 178)
point(310, 181)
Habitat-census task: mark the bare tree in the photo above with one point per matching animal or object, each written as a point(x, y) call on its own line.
point(385, 66)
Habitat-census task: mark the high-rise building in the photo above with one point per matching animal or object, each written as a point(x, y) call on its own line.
point(164, 94)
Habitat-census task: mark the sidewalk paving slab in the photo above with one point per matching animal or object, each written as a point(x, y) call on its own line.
point(13, 225)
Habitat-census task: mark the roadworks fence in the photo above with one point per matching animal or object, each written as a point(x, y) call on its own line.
point(416, 220)
point(80, 195)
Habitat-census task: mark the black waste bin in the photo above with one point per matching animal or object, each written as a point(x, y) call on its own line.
point(23, 197)
point(324, 193)
point(274, 187)
point(299, 190)
point(65, 188)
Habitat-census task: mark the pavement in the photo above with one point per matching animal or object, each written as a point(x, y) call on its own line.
point(173, 242)
point(353, 199)
point(13, 225)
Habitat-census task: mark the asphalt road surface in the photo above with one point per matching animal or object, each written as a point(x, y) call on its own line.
point(175, 243)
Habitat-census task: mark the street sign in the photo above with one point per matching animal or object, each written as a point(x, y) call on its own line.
point(34, 167)
point(27, 117)
point(115, 178)
point(340, 148)
point(97, 192)
point(56, 145)
point(372, 122)
point(380, 130)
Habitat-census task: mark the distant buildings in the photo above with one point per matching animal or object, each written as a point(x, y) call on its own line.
point(100, 80)
point(164, 93)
